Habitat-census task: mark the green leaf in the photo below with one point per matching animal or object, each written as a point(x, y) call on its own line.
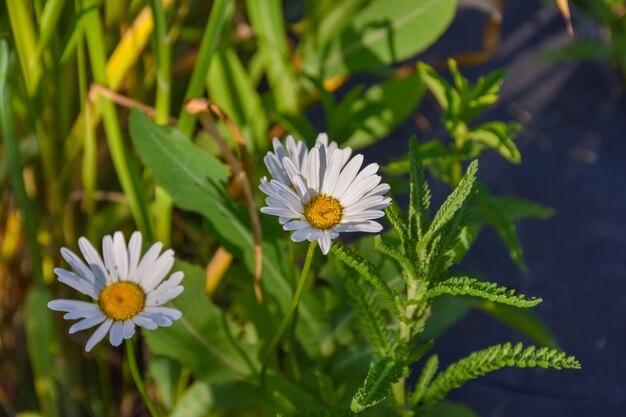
point(524, 321)
point(380, 35)
point(518, 209)
point(230, 87)
point(380, 377)
point(197, 182)
point(201, 341)
point(447, 408)
point(196, 402)
point(499, 136)
point(454, 202)
point(419, 204)
point(428, 373)
point(367, 272)
point(381, 109)
point(482, 289)
point(268, 23)
point(494, 215)
point(494, 358)
point(42, 347)
point(368, 314)
point(436, 84)
point(466, 237)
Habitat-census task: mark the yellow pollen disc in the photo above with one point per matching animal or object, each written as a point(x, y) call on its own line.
point(122, 300)
point(323, 212)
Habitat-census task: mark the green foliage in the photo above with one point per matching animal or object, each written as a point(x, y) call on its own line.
point(368, 272)
point(368, 314)
point(201, 342)
point(476, 288)
point(379, 35)
point(379, 379)
point(492, 359)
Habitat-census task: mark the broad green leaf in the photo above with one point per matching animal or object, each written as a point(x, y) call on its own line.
point(382, 108)
point(42, 346)
point(197, 182)
point(495, 216)
point(382, 34)
point(199, 339)
point(446, 311)
point(523, 320)
point(377, 384)
point(518, 209)
point(196, 402)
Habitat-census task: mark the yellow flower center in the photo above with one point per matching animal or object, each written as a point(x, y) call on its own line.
point(122, 300)
point(323, 212)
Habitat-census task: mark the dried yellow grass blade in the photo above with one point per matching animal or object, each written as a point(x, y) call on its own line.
point(563, 6)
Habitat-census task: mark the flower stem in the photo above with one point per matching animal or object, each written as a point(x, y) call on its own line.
point(132, 364)
point(290, 312)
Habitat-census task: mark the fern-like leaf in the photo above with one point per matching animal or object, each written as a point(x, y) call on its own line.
point(400, 257)
point(494, 358)
point(482, 289)
point(419, 193)
point(454, 202)
point(428, 373)
point(368, 315)
point(393, 215)
point(367, 271)
point(380, 377)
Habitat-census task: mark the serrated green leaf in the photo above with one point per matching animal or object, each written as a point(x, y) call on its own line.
point(428, 373)
point(419, 203)
point(454, 202)
point(377, 384)
point(436, 84)
point(368, 314)
point(367, 272)
point(488, 290)
point(380, 35)
point(494, 358)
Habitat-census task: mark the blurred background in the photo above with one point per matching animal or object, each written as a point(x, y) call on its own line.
point(567, 92)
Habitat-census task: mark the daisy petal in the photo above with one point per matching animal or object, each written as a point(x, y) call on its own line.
point(120, 254)
point(134, 253)
point(117, 333)
point(109, 257)
point(79, 284)
point(98, 335)
point(129, 329)
point(158, 271)
point(94, 261)
point(77, 264)
point(144, 320)
point(159, 297)
point(86, 323)
point(170, 313)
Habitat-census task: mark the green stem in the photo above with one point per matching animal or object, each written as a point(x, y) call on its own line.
point(134, 370)
point(290, 312)
point(163, 203)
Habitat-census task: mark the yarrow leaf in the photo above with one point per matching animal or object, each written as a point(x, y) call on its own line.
point(367, 272)
point(428, 373)
point(368, 314)
point(494, 358)
point(380, 377)
point(482, 289)
point(419, 193)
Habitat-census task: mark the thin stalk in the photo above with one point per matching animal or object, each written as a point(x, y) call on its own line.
point(89, 160)
point(290, 312)
point(134, 371)
point(14, 161)
point(186, 121)
point(124, 165)
point(163, 203)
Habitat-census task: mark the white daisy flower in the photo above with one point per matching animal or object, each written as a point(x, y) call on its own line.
point(326, 195)
point(125, 288)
